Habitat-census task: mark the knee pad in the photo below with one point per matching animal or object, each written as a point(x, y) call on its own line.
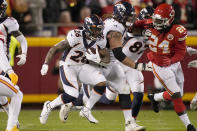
point(99, 89)
point(125, 101)
point(66, 98)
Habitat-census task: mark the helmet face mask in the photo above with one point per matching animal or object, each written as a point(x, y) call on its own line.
point(159, 23)
point(93, 27)
point(3, 7)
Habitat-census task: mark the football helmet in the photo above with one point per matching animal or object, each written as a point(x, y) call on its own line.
point(146, 13)
point(163, 16)
point(93, 27)
point(124, 12)
point(3, 7)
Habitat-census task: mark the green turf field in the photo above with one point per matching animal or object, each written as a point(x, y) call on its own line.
point(109, 120)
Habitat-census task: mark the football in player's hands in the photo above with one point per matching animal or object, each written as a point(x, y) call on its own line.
point(93, 50)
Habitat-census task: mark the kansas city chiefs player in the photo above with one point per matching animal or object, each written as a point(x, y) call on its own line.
point(167, 48)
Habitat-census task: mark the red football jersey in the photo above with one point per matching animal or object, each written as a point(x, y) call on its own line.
point(169, 45)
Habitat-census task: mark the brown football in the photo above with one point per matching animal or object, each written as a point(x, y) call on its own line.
point(93, 50)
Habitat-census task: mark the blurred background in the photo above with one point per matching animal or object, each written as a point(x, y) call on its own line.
point(46, 22)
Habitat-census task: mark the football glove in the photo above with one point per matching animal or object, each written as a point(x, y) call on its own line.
point(144, 66)
point(93, 57)
point(22, 60)
point(13, 76)
point(192, 64)
point(44, 69)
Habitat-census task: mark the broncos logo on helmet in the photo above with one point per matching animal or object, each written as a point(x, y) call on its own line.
point(93, 27)
point(3, 7)
point(124, 12)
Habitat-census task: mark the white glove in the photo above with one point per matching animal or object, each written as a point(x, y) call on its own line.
point(93, 57)
point(192, 64)
point(44, 69)
point(144, 66)
point(146, 33)
point(22, 60)
point(191, 51)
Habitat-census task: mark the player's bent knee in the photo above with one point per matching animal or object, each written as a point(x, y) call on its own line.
point(100, 89)
point(176, 95)
point(66, 98)
point(125, 101)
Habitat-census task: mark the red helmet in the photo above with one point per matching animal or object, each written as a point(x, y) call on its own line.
point(163, 16)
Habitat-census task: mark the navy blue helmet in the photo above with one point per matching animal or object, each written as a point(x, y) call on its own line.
point(93, 27)
point(3, 7)
point(124, 12)
point(146, 13)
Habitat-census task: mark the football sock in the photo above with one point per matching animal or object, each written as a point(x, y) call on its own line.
point(14, 110)
point(6, 108)
point(56, 102)
point(184, 118)
point(158, 96)
point(127, 114)
point(125, 105)
point(137, 103)
point(78, 101)
point(94, 97)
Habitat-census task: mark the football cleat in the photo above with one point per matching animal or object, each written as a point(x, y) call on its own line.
point(45, 112)
point(13, 129)
point(64, 111)
point(85, 112)
point(193, 104)
point(190, 127)
point(154, 104)
point(131, 125)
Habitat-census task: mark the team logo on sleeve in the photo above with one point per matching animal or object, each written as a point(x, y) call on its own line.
point(170, 37)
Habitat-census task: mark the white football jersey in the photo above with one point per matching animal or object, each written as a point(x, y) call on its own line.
point(78, 46)
point(111, 24)
point(5, 45)
point(134, 47)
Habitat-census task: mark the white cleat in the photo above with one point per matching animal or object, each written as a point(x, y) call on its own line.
point(131, 125)
point(45, 112)
point(64, 111)
point(85, 112)
point(193, 104)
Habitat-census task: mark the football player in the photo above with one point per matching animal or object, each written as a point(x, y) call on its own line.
point(114, 31)
point(167, 48)
point(12, 29)
point(73, 65)
point(8, 81)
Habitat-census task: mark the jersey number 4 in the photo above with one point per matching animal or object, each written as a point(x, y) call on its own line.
point(154, 45)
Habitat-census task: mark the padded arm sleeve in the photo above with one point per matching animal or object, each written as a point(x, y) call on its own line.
point(119, 54)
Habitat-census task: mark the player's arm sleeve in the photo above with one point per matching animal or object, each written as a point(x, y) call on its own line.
point(4, 64)
point(180, 48)
point(22, 40)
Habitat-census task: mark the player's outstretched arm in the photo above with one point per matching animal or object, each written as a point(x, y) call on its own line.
point(23, 42)
point(61, 46)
